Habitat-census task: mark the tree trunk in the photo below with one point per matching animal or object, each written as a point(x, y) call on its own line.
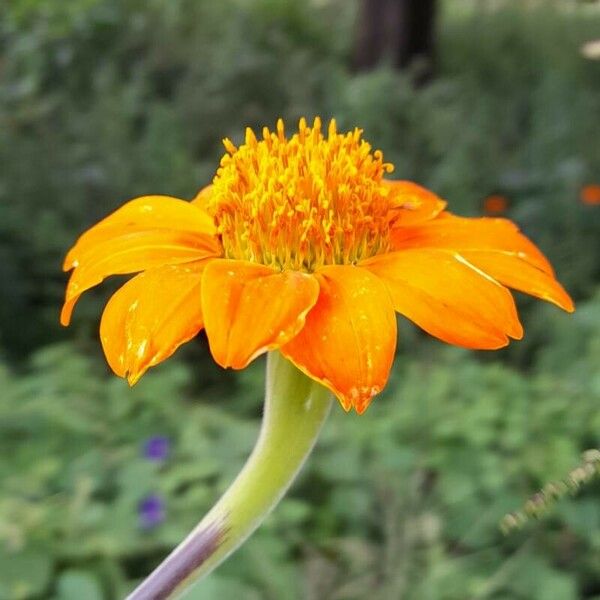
point(400, 31)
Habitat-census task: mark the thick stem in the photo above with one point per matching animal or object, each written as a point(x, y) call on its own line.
point(295, 409)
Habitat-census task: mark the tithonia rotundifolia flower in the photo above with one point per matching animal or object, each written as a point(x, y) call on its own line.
point(302, 244)
point(495, 205)
point(590, 194)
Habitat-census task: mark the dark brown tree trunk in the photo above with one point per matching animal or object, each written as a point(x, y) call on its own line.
point(400, 31)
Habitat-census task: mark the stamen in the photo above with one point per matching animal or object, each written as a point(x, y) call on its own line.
point(302, 202)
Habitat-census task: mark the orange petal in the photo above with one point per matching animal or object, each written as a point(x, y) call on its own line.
point(448, 297)
point(203, 196)
point(141, 214)
point(251, 308)
point(131, 252)
point(349, 339)
point(520, 275)
point(148, 318)
point(412, 203)
point(449, 232)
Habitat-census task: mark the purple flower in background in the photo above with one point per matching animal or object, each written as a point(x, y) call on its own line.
point(157, 448)
point(151, 511)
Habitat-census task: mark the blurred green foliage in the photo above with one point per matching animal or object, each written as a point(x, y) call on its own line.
point(101, 101)
point(403, 502)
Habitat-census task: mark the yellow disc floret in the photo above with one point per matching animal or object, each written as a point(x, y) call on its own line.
point(302, 202)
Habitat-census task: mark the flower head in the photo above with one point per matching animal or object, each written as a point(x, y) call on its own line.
point(590, 194)
point(302, 203)
point(151, 511)
point(301, 244)
point(496, 204)
point(157, 448)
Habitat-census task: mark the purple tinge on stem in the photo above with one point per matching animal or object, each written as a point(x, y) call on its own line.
point(151, 511)
point(180, 564)
point(157, 448)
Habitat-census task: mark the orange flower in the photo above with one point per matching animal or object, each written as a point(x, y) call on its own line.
point(301, 245)
point(496, 204)
point(590, 194)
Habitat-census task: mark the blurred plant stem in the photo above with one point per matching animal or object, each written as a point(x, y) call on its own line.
point(295, 409)
point(541, 502)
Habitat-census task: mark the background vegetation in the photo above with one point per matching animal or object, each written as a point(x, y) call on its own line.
point(101, 101)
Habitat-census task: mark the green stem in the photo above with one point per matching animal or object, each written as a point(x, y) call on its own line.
point(295, 409)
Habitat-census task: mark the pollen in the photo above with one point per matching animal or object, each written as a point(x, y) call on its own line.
point(302, 202)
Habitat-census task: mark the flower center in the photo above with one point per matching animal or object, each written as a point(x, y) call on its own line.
point(302, 202)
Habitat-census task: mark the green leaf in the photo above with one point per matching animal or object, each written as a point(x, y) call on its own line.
point(78, 585)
